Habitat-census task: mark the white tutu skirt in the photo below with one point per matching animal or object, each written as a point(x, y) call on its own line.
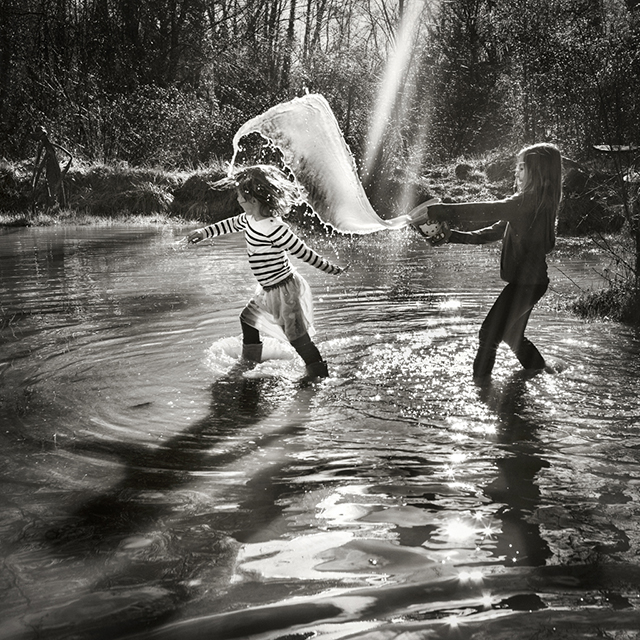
point(284, 312)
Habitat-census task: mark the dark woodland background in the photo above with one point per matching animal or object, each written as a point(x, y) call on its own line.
point(168, 82)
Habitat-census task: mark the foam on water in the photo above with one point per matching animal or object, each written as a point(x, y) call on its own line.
point(278, 359)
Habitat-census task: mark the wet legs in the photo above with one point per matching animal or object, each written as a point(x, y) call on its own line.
point(507, 321)
point(316, 367)
point(251, 344)
point(307, 350)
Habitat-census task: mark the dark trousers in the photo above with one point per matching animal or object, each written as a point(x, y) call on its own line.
point(303, 345)
point(506, 322)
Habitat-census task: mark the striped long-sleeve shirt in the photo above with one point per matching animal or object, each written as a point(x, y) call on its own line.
point(268, 242)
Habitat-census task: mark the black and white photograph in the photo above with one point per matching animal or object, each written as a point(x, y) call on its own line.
point(319, 319)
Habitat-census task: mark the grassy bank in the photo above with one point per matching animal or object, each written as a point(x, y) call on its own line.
point(618, 302)
point(103, 195)
point(100, 194)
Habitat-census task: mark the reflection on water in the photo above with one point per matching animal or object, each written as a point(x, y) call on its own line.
point(152, 489)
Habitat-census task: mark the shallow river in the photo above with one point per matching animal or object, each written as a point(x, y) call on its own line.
point(149, 490)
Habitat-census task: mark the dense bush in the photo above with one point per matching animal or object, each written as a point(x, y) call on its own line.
point(168, 127)
point(619, 302)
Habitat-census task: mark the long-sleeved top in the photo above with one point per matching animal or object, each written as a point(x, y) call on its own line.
point(527, 234)
point(268, 241)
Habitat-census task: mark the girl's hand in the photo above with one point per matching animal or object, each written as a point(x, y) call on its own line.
point(338, 270)
point(443, 235)
point(195, 237)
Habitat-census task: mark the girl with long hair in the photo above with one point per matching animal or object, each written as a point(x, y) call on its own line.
point(525, 222)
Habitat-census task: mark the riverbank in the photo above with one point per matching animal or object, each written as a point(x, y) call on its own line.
point(100, 194)
point(97, 194)
point(103, 195)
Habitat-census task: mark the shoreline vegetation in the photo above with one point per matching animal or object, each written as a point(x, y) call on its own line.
point(100, 194)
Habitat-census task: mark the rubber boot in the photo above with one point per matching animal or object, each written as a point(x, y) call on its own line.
point(252, 352)
point(315, 371)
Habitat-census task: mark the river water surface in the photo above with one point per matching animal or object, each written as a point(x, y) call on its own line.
point(150, 489)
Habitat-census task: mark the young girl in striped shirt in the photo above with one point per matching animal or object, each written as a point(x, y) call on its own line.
point(282, 305)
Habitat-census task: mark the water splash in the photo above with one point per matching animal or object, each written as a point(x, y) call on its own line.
point(313, 147)
point(280, 359)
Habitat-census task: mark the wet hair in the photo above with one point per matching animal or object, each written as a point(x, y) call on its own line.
point(543, 181)
point(269, 186)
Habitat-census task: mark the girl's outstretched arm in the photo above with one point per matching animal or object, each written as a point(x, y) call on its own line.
point(229, 225)
point(480, 236)
point(512, 208)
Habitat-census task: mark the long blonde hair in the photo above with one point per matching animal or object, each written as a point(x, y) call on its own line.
point(543, 164)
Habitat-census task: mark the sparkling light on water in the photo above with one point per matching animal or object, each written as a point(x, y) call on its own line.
point(144, 482)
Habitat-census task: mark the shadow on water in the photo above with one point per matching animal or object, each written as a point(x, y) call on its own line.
point(121, 525)
point(491, 604)
point(279, 514)
point(516, 487)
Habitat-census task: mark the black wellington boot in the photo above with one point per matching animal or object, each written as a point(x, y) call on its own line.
point(315, 371)
point(252, 352)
